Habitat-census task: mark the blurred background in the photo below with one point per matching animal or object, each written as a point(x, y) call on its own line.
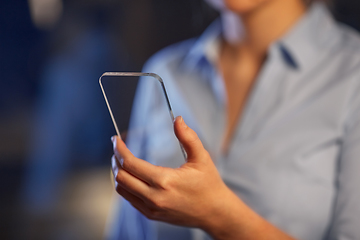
point(55, 130)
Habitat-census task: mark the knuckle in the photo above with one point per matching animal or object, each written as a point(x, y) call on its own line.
point(163, 181)
point(157, 203)
point(127, 162)
point(152, 214)
point(193, 138)
point(206, 154)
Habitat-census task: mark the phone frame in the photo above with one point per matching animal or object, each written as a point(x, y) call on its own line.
point(132, 74)
point(136, 74)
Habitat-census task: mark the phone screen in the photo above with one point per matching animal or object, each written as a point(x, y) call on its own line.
point(119, 89)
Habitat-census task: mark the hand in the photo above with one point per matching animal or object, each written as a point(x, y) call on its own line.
point(191, 195)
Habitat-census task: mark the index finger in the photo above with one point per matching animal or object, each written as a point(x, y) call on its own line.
point(141, 169)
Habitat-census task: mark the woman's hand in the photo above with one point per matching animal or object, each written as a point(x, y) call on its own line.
point(192, 195)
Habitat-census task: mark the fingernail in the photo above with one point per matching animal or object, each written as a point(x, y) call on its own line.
point(182, 122)
point(113, 139)
point(121, 161)
point(178, 119)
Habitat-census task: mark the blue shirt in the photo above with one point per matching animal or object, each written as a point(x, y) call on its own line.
point(295, 154)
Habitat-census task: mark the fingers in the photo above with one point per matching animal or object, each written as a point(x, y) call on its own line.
point(189, 140)
point(115, 165)
point(135, 166)
point(138, 203)
point(128, 181)
point(128, 196)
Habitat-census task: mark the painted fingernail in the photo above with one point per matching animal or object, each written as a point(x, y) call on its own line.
point(114, 141)
point(112, 138)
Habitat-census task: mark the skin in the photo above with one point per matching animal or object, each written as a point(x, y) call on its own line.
point(190, 195)
point(241, 59)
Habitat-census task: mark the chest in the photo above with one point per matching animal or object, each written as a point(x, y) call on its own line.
point(238, 77)
point(282, 159)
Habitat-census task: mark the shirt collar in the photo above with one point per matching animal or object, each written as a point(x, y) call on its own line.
point(206, 47)
point(299, 47)
point(314, 32)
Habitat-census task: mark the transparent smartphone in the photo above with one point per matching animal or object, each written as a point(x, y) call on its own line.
point(119, 88)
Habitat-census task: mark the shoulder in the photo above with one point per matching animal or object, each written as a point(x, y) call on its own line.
point(167, 64)
point(348, 70)
point(341, 58)
point(349, 46)
point(169, 57)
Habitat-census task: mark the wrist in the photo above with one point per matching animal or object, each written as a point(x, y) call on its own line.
point(228, 217)
point(233, 219)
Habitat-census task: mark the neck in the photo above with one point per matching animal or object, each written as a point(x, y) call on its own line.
point(262, 26)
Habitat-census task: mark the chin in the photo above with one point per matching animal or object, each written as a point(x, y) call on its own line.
point(242, 6)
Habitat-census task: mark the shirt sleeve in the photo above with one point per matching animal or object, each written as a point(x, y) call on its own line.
point(346, 215)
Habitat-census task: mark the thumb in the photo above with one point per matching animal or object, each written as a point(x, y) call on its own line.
point(189, 139)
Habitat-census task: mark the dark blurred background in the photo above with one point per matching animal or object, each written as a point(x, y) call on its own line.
point(54, 126)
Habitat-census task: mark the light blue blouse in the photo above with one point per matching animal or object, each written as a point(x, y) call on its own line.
point(295, 154)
